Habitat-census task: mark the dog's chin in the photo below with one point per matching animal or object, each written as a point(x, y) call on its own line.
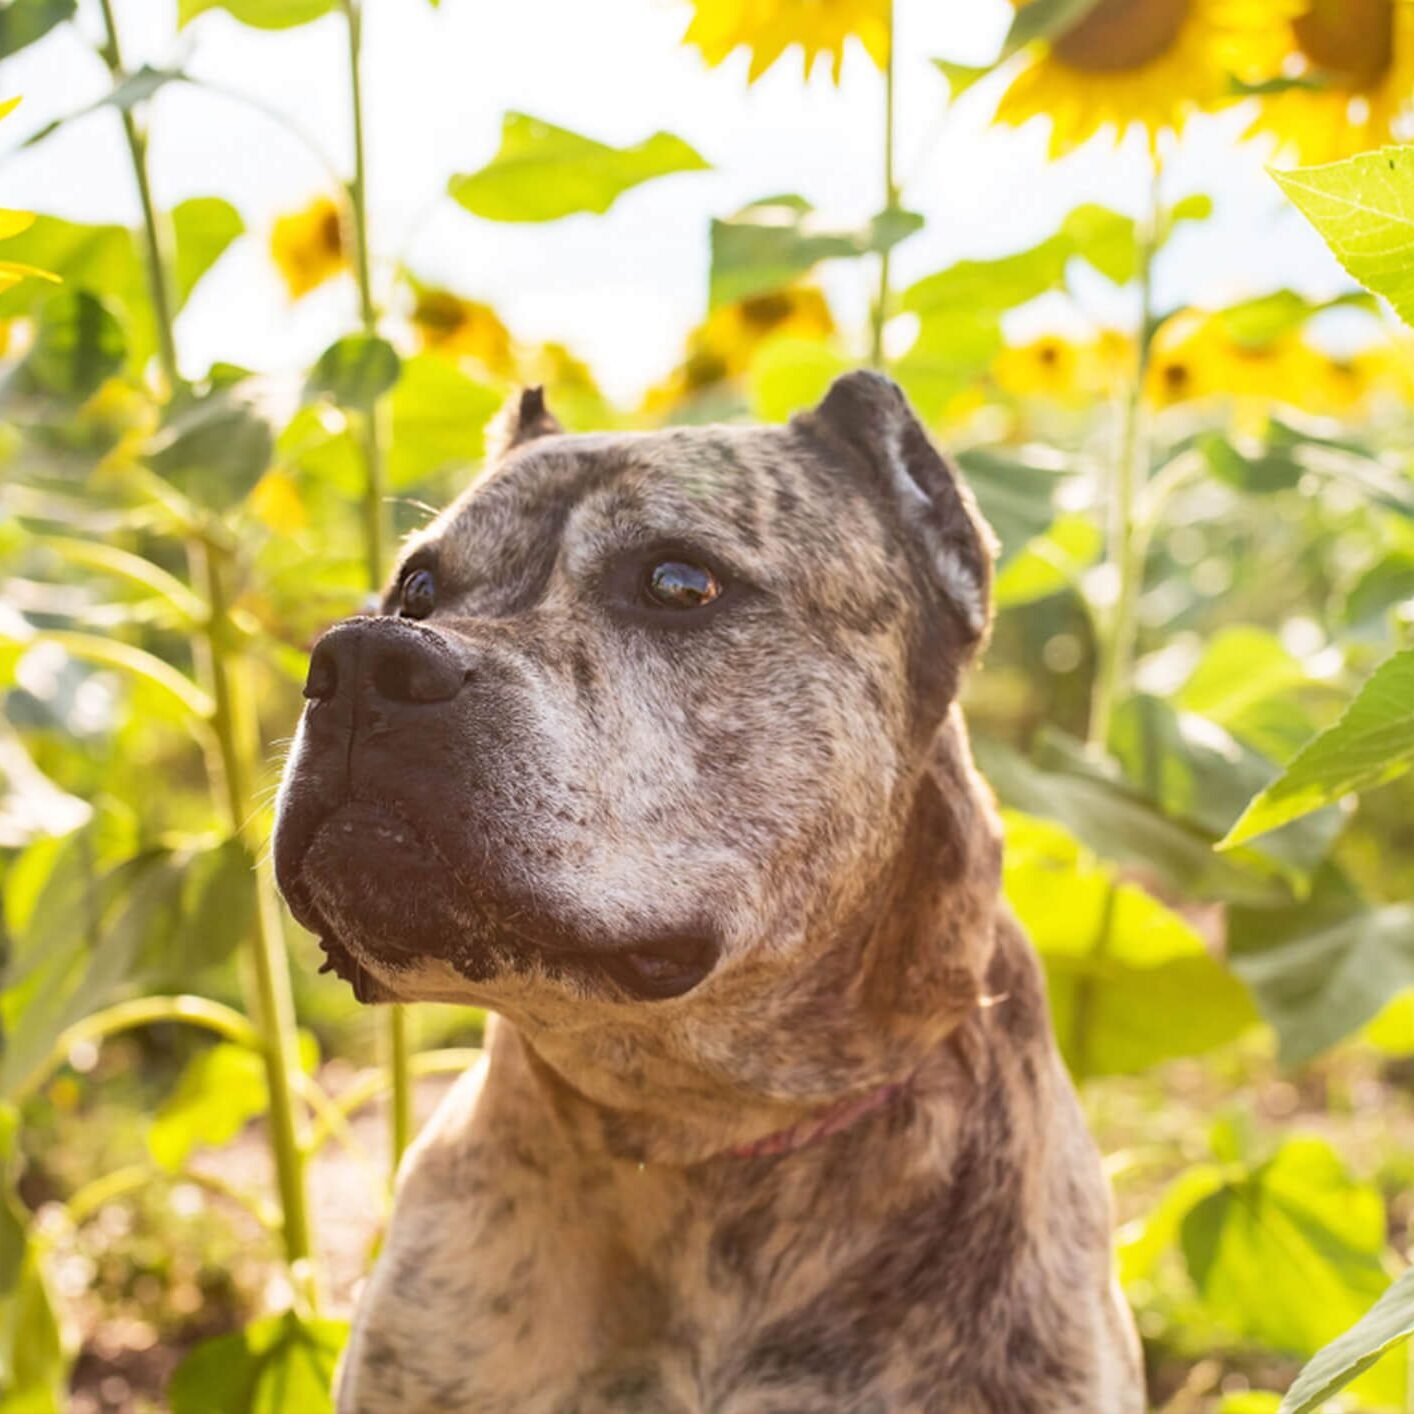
point(384, 903)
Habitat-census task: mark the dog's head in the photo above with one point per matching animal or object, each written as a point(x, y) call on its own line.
point(653, 740)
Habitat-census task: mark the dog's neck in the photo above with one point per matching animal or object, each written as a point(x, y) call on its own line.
point(897, 991)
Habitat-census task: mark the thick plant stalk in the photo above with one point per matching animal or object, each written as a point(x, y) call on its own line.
point(891, 201)
point(237, 736)
point(371, 438)
point(1125, 538)
point(155, 258)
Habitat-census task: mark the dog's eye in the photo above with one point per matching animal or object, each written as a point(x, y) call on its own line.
point(675, 584)
point(419, 595)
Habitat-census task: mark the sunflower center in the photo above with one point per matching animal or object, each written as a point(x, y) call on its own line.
point(1351, 39)
point(1118, 35)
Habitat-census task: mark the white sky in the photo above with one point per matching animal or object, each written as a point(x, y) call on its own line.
point(621, 289)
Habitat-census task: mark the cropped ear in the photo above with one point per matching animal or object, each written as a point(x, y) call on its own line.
point(870, 414)
point(523, 417)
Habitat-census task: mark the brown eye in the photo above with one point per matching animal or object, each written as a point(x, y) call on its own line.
point(675, 584)
point(419, 595)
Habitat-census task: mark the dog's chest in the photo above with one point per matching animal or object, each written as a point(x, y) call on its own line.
point(511, 1303)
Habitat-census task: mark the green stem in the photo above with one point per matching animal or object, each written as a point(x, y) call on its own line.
point(238, 748)
point(238, 742)
point(1125, 554)
point(372, 426)
point(156, 261)
point(891, 201)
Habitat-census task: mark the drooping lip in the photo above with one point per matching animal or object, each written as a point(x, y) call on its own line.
point(658, 967)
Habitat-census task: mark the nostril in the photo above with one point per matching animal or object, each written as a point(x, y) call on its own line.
point(322, 680)
point(408, 666)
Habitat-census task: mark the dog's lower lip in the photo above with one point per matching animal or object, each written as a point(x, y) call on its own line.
point(663, 969)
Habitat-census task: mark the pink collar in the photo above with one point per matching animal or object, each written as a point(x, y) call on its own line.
point(810, 1131)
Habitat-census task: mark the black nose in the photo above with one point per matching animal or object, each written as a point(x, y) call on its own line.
point(383, 657)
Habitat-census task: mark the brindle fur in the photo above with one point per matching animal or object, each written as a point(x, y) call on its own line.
point(790, 775)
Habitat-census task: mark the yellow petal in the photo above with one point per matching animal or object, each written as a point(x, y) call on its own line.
point(9, 106)
point(13, 222)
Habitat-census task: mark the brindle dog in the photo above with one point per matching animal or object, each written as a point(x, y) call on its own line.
point(654, 752)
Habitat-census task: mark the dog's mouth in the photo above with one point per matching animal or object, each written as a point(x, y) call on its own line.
point(379, 896)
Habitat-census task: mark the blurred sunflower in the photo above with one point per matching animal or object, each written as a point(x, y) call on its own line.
point(769, 27)
point(1182, 361)
point(463, 328)
point(1047, 367)
point(1358, 59)
point(11, 224)
point(722, 347)
point(308, 246)
point(1150, 63)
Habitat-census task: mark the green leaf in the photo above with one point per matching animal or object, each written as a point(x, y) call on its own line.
point(1043, 19)
point(1389, 1321)
point(33, 1366)
point(213, 447)
point(1384, 586)
point(439, 420)
point(1051, 563)
point(274, 1366)
point(77, 345)
point(1131, 984)
point(1323, 968)
point(789, 374)
point(1014, 493)
point(79, 949)
point(1110, 816)
point(354, 372)
point(24, 21)
point(1363, 209)
point(1289, 1253)
point(126, 94)
point(775, 241)
point(259, 14)
point(1262, 469)
point(1193, 770)
point(1248, 684)
point(1105, 239)
point(221, 1089)
point(1198, 206)
point(994, 285)
point(961, 77)
point(1255, 323)
point(204, 226)
point(1371, 744)
point(541, 172)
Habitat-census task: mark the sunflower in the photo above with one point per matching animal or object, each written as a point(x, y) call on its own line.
point(1150, 63)
point(1356, 58)
point(769, 27)
point(11, 224)
point(463, 328)
point(1047, 367)
point(308, 246)
point(723, 346)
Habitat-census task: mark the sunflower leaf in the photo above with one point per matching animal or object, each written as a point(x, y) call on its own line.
point(24, 21)
point(258, 14)
point(1389, 1321)
point(541, 172)
point(774, 241)
point(204, 226)
point(1371, 744)
point(1363, 209)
